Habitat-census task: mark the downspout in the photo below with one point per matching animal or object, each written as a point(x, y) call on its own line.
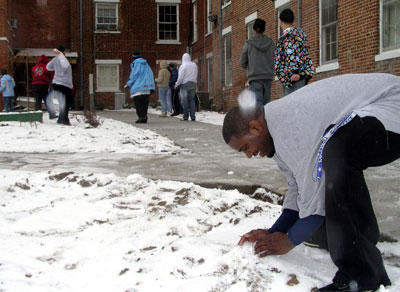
point(221, 75)
point(299, 18)
point(81, 47)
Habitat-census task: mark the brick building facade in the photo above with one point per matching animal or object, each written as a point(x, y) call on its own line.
point(344, 36)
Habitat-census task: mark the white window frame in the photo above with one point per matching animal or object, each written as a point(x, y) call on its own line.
point(388, 53)
point(209, 12)
point(225, 32)
point(209, 57)
point(226, 3)
point(332, 64)
point(249, 21)
point(195, 22)
point(279, 8)
point(108, 2)
point(108, 62)
point(321, 48)
point(279, 3)
point(168, 3)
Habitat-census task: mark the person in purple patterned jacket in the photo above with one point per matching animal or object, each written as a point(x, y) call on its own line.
point(293, 67)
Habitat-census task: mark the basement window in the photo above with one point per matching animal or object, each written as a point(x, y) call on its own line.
point(107, 75)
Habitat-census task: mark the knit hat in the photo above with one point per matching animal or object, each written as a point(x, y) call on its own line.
point(61, 48)
point(136, 54)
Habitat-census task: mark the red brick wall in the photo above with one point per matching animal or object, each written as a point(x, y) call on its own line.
point(41, 23)
point(358, 39)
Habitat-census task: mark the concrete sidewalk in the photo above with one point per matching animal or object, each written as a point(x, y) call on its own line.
point(211, 161)
point(208, 162)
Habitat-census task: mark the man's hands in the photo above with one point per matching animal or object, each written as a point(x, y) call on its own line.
point(295, 77)
point(276, 243)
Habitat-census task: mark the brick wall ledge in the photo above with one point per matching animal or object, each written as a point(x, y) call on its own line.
point(4, 39)
point(387, 55)
point(327, 67)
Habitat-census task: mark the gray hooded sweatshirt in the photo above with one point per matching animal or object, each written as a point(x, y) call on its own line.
point(258, 57)
point(298, 122)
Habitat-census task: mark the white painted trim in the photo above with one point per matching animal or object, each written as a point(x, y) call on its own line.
point(207, 34)
point(107, 31)
point(4, 39)
point(116, 16)
point(169, 1)
point(209, 55)
point(168, 42)
point(169, 61)
point(388, 55)
point(108, 61)
point(327, 67)
point(322, 65)
point(227, 30)
point(280, 3)
point(250, 18)
point(107, 1)
point(227, 4)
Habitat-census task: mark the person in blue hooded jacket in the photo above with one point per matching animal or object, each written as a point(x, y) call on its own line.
point(7, 85)
point(141, 83)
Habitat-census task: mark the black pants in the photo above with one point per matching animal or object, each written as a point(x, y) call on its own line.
point(351, 226)
point(40, 92)
point(176, 104)
point(142, 104)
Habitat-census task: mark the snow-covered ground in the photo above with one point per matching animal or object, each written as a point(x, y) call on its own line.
point(208, 117)
point(79, 231)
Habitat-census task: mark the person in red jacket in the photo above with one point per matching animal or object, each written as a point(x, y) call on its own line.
point(41, 79)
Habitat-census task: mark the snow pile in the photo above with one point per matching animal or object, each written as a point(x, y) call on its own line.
point(110, 136)
point(93, 232)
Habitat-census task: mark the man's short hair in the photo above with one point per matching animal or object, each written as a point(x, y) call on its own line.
point(3, 71)
point(61, 48)
point(259, 25)
point(236, 122)
point(287, 16)
point(136, 54)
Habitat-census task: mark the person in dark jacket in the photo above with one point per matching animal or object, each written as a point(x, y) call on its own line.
point(258, 59)
point(41, 79)
point(176, 104)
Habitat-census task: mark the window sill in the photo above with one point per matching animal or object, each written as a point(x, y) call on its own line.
point(208, 34)
point(107, 31)
point(107, 90)
point(165, 42)
point(388, 55)
point(327, 67)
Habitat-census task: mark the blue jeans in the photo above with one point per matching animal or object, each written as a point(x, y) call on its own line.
point(187, 94)
point(297, 85)
point(164, 94)
point(8, 103)
point(262, 89)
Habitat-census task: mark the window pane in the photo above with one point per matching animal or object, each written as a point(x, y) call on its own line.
point(391, 24)
point(168, 25)
point(106, 17)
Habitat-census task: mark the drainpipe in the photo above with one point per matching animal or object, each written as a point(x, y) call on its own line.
point(299, 19)
point(81, 47)
point(221, 75)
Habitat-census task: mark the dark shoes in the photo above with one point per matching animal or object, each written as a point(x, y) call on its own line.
point(174, 114)
point(336, 287)
point(141, 121)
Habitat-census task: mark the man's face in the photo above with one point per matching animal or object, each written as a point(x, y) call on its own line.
point(251, 144)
